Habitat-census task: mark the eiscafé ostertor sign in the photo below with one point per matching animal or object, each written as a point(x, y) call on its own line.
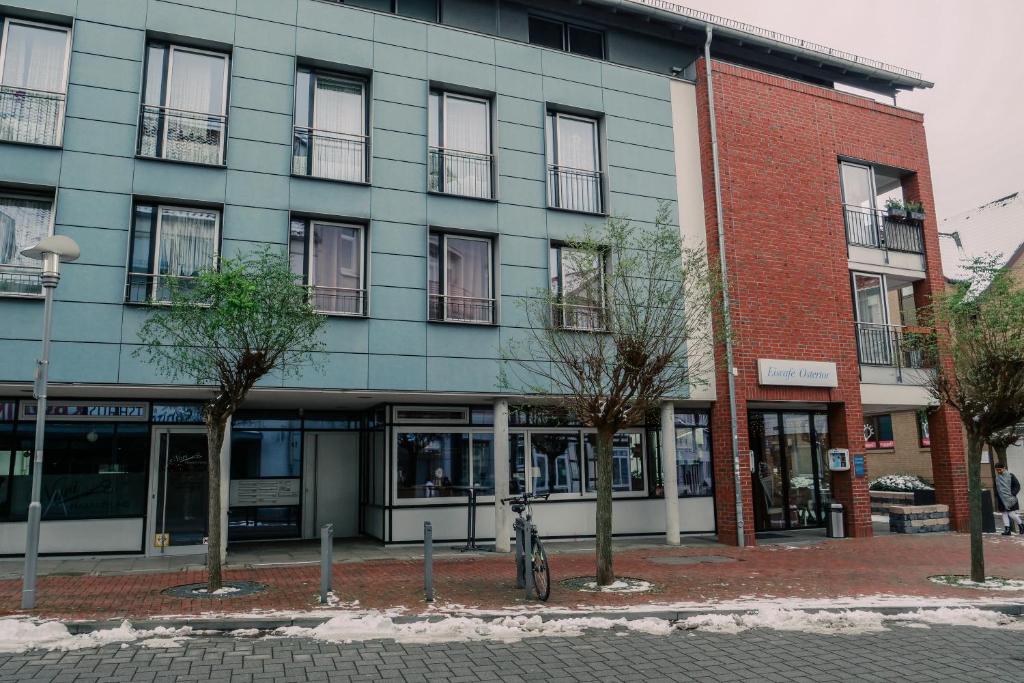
point(796, 373)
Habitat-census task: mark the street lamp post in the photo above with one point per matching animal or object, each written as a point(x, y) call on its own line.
point(51, 251)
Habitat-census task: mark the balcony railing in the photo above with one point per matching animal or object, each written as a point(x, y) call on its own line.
point(580, 317)
point(874, 228)
point(178, 135)
point(332, 156)
point(463, 309)
point(147, 288)
point(574, 189)
point(892, 346)
point(466, 174)
point(20, 281)
point(31, 116)
point(338, 300)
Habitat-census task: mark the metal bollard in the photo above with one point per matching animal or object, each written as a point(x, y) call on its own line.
point(326, 555)
point(428, 561)
point(527, 559)
point(520, 558)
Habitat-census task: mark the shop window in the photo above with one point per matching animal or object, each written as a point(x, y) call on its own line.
point(693, 455)
point(184, 105)
point(556, 462)
point(91, 471)
point(878, 432)
point(330, 138)
point(444, 464)
point(627, 462)
point(331, 258)
point(558, 35)
point(578, 288)
point(170, 247)
point(459, 279)
point(33, 81)
point(924, 438)
point(516, 463)
point(24, 220)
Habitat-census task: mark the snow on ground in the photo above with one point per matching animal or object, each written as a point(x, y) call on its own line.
point(993, 583)
point(19, 635)
point(224, 590)
point(620, 586)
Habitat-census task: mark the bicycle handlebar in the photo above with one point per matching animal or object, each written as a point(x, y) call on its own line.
point(526, 497)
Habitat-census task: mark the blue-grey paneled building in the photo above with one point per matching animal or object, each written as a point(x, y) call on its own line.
point(420, 161)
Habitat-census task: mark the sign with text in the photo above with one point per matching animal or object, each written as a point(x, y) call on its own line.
point(88, 410)
point(797, 373)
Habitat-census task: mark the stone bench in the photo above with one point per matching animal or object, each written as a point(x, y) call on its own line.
point(918, 519)
point(881, 501)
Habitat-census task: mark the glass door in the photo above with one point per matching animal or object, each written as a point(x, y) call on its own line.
point(178, 493)
point(791, 486)
point(873, 335)
point(804, 506)
point(767, 477)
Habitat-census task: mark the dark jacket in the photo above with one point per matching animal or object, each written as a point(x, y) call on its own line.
point(1014, 489)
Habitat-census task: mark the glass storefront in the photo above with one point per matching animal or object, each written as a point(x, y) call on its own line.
point(791, 482)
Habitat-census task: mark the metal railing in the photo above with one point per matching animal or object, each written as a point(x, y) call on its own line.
point(178, 135)
point(149, 288)
point(891, 346)
point(332, 156)
point(338, 300)
point(874, 228)
point(31, 116)
point(464, 309)
point(467, 174)
point(580, 317)
point(20, 281)
point(574, 189)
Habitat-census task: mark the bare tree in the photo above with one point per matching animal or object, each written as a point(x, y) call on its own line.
point(979, 345)
point(227, 329)
point(627, 326)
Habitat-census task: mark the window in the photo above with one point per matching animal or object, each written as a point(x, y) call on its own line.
point(330, 127)
point(33, 81)
point(431, 415)
point(627, 462)
point(331, 258)
point(556, 462)
point(567, 37)
point(577, 285)
point(24, 220)
point(878, 432)
point(170, 246)
point(460, 284)
point(573, 157)
point(924, 438)
point(460, 145)
point(444, 464)
point(693, 455)
point(184, 105)
point(260, 450)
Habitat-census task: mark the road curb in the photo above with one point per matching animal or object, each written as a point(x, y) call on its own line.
point(225, 625)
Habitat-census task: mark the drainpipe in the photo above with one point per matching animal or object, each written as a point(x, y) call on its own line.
point(726, 312)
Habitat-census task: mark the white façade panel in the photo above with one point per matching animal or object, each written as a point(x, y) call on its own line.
point(79, 536)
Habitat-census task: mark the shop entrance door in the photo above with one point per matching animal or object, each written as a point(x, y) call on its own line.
point(331, 483)
point(177, 519)
point(790, 479)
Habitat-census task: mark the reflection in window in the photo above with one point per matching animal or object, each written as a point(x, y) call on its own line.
point(574, 163)
point(556, 459)
point(459, 279)
point(878, 432)
point(329, 257)
point(170, 247)
point(693, 455)
point(627, 462)
point(24, 220)
point(577, 283)
point(265, 454)
point(33, 82)
point(443, 465)
point(516, 464)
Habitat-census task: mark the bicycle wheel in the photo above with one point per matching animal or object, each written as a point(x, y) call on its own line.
point(541, 571)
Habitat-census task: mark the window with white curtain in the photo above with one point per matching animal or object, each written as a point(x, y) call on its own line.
point(33, 81)
point(24, 220)
point(330, 257)
point(330, 126)
point(574, 163)
point(171, 245)
point(184, 104)
point(577, 284)
point(460, 281)
point(459, 136)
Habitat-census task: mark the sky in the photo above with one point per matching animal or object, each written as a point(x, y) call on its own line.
point(973, 50)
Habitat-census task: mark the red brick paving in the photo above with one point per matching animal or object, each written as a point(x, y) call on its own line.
point(892, 565)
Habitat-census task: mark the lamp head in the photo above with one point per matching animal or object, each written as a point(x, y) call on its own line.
point(62, 246)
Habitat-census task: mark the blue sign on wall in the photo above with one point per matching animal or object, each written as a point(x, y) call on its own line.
point(858, 465)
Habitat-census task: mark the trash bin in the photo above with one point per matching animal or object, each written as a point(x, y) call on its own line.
point(988, 513)
point(835, 521)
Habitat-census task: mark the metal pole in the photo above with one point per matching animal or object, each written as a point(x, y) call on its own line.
point(49, 278)
point(326, 555)
point(528, 555)
point(428, 561)
point(520, 564)
point(730, 367)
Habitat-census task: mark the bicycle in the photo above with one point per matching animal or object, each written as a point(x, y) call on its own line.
point(522, 506)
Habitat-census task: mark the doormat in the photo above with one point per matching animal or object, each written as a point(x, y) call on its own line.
point(692, 559)
point(201, 591)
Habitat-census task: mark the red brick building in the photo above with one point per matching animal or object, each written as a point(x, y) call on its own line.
point(816, 267)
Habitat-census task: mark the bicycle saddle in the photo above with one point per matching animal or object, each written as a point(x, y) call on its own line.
point(518, 507)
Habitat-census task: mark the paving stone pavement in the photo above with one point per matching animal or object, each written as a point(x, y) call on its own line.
point(939, 653)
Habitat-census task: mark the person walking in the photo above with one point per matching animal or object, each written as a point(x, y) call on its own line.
point(1007, 488)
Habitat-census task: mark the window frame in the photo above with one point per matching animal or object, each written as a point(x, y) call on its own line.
point(28, 196)
point(154, 246)
point(875, 421)
point(442, 140)
point(411, 428)
point(315, 74)
point(603, 265)
point(6, 21)
point(442, 274)
point(923, 419)
point(309, 260)
point(565, 27)
point(553, 161)
point(581, 434)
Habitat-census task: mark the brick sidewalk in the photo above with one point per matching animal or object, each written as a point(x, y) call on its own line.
point(886, 565)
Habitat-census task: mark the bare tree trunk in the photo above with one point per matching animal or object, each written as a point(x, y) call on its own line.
point(974, 504)
point(215, 427)
point(1000, 455)
point(605, 574)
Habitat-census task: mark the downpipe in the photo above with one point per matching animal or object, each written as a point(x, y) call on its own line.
point(726, 312)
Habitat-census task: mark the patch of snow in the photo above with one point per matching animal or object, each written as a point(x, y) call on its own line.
point(884, 519)
point(970, 616)
point(619, 586)
point(846, 622)
point(244, 632)
point(993, 583)
point(20, 635)
point(223, 590)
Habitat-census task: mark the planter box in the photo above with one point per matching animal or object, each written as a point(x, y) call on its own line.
point(918, 519)
point(881, 501)
point(896, 214)
point(916, 215)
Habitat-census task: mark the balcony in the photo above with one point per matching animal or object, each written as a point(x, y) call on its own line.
point(32, 117)
point(178, 135)
point(147, 288)
point(20, 281)
point(575, 189)
point(460, 309)
point(464, 174)
point(578, 317)
point(876, 229)
point(893, 353)
point(338, 300)
point(330, 156)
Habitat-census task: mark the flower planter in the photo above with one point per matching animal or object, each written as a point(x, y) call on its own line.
point(896, 214)
point(916, 215)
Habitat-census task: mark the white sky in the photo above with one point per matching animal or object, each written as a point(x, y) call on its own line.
point(973, 50)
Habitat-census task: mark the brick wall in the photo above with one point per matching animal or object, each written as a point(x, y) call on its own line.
point(780, 142)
